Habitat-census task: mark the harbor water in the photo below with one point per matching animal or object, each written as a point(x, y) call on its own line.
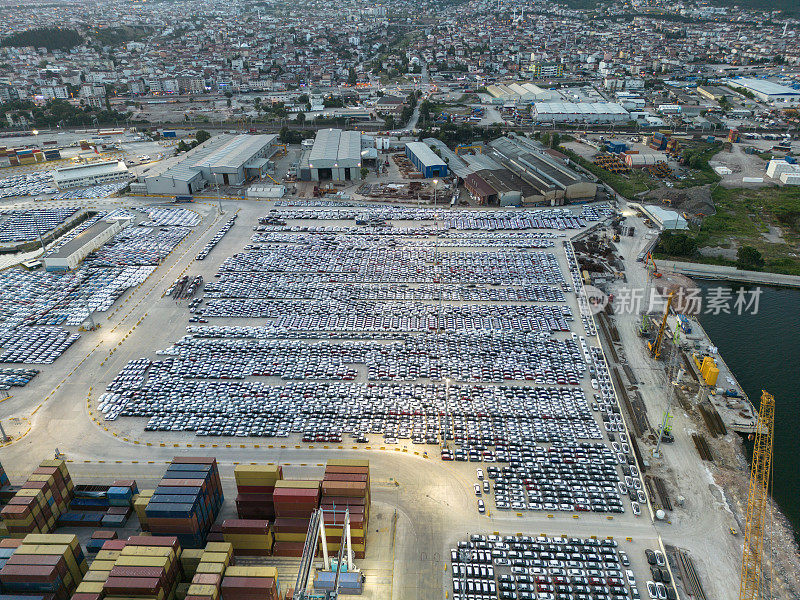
point(763, 351)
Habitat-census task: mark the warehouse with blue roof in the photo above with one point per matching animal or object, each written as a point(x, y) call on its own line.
point(426, 160)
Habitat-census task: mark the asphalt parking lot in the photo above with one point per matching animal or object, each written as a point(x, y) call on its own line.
point(337, 331)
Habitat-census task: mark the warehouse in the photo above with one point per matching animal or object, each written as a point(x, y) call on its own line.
point(335, 155)
point(70, 255)
point(555, 182)
point(91, 174)
point(222, 160)
point(520, 93)
point(426, 160)
point(579, 112)
point(767, 91)
point(500, 187)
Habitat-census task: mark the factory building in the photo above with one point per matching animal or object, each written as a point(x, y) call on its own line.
point(70, 255)
point(554, 181)
point(579, 112)
point(222, 160)
point(767, 91)
point(335, 156)
point(520, 93)
point(426, 160)
point(91, 174)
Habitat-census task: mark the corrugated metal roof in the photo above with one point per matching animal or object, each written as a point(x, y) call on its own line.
point(89, 170)
point(334, 147)
point(425, 155)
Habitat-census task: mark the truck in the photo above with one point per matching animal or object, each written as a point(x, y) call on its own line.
point(169, 133)
point(183, 199)
point(685, 324)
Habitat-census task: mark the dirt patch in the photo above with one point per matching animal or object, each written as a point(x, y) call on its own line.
point(719, 252)
point(694, 201)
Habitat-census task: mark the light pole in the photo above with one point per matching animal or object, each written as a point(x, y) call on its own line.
point(435, 181)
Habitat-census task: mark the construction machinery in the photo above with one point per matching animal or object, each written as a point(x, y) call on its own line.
point(650, 265)
point(753, 584)
point(655, 347)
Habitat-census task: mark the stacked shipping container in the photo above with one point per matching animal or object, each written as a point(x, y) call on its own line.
point(255, 485)
point(186, 501)
point(43, 498)
point(144, 568)
point(207, 579)
point(250, 583)
point(345, 487)
point(250, 537)
point(52, 565)
point(295, 501)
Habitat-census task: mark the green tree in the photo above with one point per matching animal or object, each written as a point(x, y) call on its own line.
point(555, 140)
point(749, 259)
point(228, 94)
point(201, 136)
point(545, 138)
point(301, 118)
point(351, 76)
point(364, 172)
point(677, 243)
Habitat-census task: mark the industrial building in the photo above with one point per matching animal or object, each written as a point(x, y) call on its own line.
point(666, 219)
point(91, 174)
point(426, 160)
point(520, 93)
point(767, 91)
point(554, 182)
point(70, 255)
point(335, 155)
point(579, 112)
point(223, 160)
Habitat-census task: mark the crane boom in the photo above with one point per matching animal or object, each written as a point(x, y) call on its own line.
point(752, 581)
point(655, 351)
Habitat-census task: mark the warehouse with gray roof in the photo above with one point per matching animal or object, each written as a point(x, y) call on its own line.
point(224, 159)
point(335, 156)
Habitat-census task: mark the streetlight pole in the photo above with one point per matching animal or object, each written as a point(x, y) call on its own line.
point(435, 181)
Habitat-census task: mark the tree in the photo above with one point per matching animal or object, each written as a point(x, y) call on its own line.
point(351, 76)
point(545, 138)
point(677, 244)
point(229, 95)
point(201, 136)
point(749, 259)
point(555, 140)
point(301, 118)
point(364, 172)
point(303, 99)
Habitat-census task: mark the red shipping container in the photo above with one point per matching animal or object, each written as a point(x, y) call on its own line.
point(127, 586)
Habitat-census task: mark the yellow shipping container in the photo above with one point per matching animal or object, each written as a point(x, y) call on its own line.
point(147, 551)
point(348, 462)
point(90, 587)
point(225, 547)
point(241, 571)
point(262, 544)
point(96, 576)
point(209, 567)
point(144, 561)
point(297, 484)
point(215, 557)
point(106, 555)
point(102, 565)
point(290, 537)
point(203, 590)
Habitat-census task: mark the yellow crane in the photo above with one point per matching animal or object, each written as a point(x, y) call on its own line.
point(752, 585)
point(655, 347)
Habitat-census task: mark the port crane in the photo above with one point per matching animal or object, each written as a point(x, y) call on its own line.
point(655, 347)
point(753, 586)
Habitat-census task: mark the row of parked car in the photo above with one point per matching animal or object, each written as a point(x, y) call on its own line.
point(523, 567)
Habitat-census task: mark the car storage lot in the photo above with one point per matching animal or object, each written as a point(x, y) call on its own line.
point(435, 502)
point(329, 338)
